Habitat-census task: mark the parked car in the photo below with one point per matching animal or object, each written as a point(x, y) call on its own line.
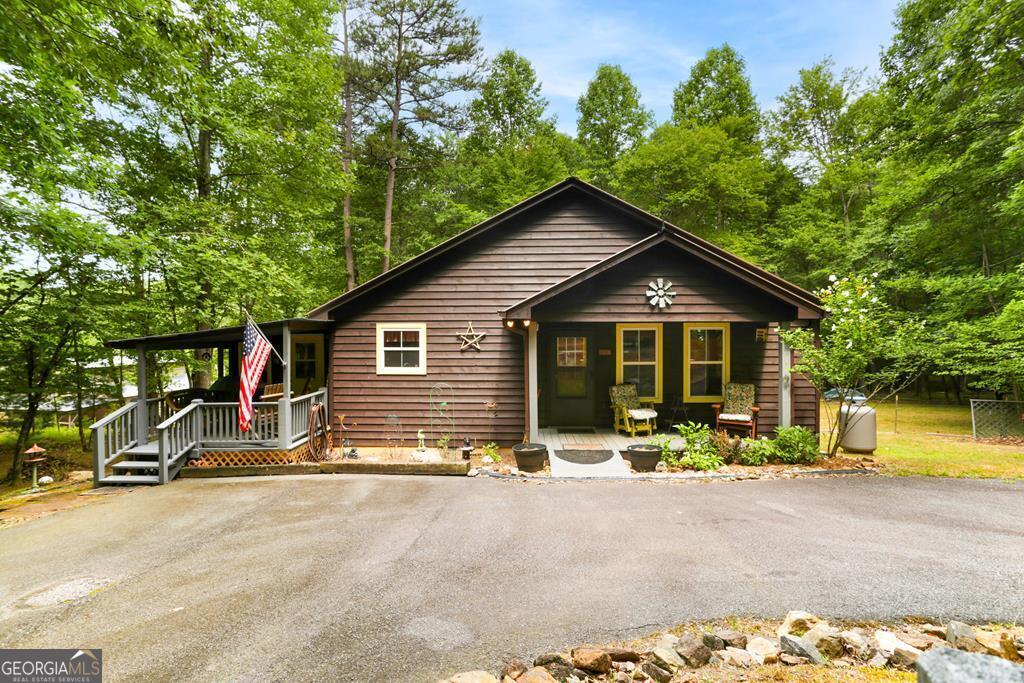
point(853, 396)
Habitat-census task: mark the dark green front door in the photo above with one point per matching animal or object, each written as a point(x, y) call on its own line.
point(568, 367)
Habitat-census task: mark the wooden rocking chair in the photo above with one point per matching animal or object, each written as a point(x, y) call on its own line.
point(631, 415)
point(739, 412)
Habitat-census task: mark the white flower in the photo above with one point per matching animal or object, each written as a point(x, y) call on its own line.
point(849, 343)
point(832, 278)
point(874, 274)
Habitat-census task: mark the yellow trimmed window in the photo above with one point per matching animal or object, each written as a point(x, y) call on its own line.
point(705, 361)
point(638, 359)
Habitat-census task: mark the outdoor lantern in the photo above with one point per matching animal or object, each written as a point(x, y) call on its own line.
point(467, 448)
point(36, 456)
point(509, 323)
point(526, 323)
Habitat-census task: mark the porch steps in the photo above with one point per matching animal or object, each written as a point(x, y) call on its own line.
point(136, 465)
point(137, 460)
point(131, 479)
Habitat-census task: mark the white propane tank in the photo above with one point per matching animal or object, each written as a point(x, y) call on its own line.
point(862, 435)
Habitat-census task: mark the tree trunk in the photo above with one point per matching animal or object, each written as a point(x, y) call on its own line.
point(204, 188)
point(21, 444)
point(346, 159)
point(396, 111)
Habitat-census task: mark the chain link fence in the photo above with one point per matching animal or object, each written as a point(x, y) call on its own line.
point(993, 419)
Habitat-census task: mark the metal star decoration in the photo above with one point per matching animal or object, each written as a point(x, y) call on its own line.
point(471, 338)
point(660, 293)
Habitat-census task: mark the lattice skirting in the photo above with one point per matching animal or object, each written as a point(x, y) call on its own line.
point(259, 457)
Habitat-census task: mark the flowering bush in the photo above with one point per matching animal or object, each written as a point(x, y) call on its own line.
point(863, 346)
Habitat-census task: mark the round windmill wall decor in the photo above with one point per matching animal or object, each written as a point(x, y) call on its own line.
point(660, 293)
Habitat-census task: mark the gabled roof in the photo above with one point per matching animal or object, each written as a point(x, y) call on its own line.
point(807, 304)
point(696, 245)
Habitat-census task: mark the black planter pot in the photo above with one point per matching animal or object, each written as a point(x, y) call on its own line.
point(644, 457)
point(530, 457)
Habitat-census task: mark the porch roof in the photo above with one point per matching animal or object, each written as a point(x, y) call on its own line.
point(221, 336)
point(807, 304)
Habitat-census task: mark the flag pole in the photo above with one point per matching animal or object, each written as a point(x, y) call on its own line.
point(249, 318)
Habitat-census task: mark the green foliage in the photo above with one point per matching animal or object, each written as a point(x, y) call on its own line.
point(491, 449)
point(756, 452)
point(700, 451)
point(796, 445)
point(728, 447)
point(664, 442)
point(510, 106)
point(718, 93)
point(611, 121)
point(701, 179)
point(863, 345)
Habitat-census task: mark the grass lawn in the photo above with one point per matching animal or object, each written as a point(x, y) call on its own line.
point(61, 443)
point(907, 443)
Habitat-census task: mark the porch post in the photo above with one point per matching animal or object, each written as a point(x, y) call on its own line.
point(141, 413)
point(785, 383)
point(284, 409)
point(531, 383)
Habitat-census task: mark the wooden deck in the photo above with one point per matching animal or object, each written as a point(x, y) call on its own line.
point(601, 439)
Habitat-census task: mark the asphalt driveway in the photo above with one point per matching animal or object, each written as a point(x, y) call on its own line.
point(403, 579)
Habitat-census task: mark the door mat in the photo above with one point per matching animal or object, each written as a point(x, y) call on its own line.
point(576, 430)
point(582, 457)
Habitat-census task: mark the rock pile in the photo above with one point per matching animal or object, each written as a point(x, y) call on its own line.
point(802, 639)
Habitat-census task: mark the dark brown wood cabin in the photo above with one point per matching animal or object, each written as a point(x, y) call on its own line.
point(557, 285)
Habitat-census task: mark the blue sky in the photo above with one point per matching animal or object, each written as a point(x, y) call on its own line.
point(657, 42)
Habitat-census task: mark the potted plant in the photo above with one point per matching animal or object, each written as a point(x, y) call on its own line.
point(530, 457)
point(643, 457)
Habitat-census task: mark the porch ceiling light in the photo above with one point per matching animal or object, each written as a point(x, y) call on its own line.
point(526, 323)
point(510, 323)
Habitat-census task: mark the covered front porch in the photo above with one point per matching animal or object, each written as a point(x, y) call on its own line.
point(149, 440)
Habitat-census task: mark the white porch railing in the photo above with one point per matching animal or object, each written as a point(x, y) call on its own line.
point(112, 436)
point(199, 426)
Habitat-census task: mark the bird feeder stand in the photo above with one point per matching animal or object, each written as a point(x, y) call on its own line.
point(36, 456)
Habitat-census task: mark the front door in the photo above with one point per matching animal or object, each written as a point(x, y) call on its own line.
point(569, 366)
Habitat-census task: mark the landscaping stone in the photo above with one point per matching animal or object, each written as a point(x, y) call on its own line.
point(655, 672)
point(472, 677)
point(801, 647)
point(513, 669)
point(734, 656)
point(623, 677)
point(879, 660)
point(797, 623)
point(557, 664)
point(961, 636)
point(713, 642)
point(667, 659)
point(920, 642)
point(661, 467)
point(826, 639)
point(667, 640)
point(792, 660)
point(933, 630)
point(856, 644)
point(508, 679)
point(693, 651)
point(899, 654)
point(537, 674)
point(732, 638)
point(763, 650)
point(999, 644)
point(945, 665)
point(592, 659)
point(623, 654)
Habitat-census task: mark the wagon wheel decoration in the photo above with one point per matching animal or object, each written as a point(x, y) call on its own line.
point(660, 293)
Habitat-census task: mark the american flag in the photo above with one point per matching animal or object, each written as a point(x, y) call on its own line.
point(255, 351)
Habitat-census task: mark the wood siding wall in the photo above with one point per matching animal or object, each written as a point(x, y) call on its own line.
point(470, 284)
point(703, 294)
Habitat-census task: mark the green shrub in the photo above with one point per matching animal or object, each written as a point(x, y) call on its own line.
point(491, 449)
point(700, 452)
point(729, 448)
point(758, 451)
point(796, 445)
point(664, 442)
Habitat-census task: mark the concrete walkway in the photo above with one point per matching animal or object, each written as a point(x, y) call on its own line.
point(614, 467)
point(375, 578)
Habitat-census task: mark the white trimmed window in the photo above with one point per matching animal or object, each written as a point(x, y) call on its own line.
point(401, 348)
